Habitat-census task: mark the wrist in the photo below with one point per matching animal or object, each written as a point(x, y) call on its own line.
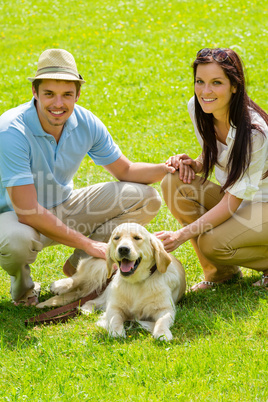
point(167, 168)
point(184, 234)
point(199, 163)
point(84, 243)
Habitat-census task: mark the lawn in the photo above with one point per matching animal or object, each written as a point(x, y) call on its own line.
point(136, 56)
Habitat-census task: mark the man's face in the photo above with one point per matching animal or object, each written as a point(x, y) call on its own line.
point(55, 103)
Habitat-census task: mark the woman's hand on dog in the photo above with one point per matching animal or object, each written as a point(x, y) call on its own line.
point(171, 240)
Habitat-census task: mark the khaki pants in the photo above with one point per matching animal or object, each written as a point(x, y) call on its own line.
point(94, 211)
point(240, 241)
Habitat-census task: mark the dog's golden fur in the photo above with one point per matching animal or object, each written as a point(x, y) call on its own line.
point(147, 285)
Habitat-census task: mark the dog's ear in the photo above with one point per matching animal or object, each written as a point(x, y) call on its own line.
point(109, 261)
point(162, 258)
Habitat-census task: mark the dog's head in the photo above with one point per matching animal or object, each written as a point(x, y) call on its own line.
point(135, 251)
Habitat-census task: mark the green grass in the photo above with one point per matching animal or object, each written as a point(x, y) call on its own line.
point(136, 58)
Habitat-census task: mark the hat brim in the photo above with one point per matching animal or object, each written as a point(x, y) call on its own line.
point(57, 76)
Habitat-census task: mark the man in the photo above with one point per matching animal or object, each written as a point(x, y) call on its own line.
point(42, 144)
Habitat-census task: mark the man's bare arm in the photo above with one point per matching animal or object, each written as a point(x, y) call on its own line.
point(139, 172)
point(30, 212)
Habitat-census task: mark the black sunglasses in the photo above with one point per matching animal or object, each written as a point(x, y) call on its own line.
point(218, 55)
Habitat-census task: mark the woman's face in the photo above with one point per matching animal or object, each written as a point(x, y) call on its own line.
point(213, 90)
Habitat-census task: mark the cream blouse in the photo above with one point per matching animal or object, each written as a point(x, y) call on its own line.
point(250, 187)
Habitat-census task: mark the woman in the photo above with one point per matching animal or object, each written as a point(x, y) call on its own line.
point(227, 223)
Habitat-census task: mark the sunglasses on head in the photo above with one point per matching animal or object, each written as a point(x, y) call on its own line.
point(218, 55)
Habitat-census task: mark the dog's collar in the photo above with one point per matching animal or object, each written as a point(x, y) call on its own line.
point(153, 269)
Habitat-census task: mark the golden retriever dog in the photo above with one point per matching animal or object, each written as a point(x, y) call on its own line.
point(145, 288)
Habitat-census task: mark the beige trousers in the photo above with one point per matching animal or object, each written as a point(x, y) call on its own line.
point(94, 211)
point(240, 241)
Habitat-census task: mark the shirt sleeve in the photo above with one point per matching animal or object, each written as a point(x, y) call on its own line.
point(15, 167)
point(104, 150)
point(247, 186)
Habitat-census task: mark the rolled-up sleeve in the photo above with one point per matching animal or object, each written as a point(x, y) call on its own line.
point(249, 184)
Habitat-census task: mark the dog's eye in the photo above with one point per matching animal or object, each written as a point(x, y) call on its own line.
point(116, 237)
point(137, 238)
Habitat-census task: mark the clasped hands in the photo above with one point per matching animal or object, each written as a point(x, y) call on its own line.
point(186, 166)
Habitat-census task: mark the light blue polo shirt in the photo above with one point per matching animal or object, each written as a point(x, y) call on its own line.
point(28, 155)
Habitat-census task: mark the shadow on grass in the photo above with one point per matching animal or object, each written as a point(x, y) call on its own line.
point(12, 327)
point(13, 330)
point(198, 315)
point(206, 312)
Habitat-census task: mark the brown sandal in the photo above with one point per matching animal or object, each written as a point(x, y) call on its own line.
point(204, 285)
point(262, 283)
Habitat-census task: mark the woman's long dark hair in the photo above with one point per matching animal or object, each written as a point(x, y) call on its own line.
point(239, 118)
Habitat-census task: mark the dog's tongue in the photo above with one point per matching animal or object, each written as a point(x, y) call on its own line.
point(126, 265)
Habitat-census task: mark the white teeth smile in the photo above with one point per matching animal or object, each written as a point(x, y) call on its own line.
point(208, 100)
point(59, 112)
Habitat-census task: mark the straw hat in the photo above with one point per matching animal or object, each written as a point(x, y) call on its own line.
point(57, 64)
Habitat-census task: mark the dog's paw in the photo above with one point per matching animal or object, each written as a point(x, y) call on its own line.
point(117, 333)
point(41, 305)
point(102, 322)
point(61, 286)
point(87, 308)
point(52, 302)
point(165, 335)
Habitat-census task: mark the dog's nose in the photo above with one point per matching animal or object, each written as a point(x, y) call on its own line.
point(123, 250)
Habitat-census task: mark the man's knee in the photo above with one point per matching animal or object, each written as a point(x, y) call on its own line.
point(153, 200)
point(139, 197)
point(20, 245)
point(146, 202)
